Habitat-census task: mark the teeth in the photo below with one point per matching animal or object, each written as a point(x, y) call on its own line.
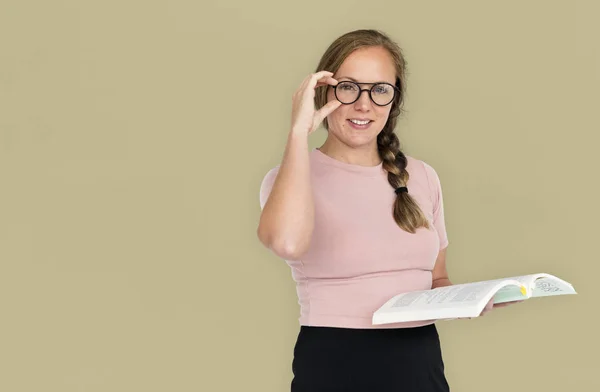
point(359, 122)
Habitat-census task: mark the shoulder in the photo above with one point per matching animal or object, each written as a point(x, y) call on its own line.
point(270, 176)
point(267, 184)
point(420, 168)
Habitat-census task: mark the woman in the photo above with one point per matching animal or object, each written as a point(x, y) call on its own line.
point(358, 221)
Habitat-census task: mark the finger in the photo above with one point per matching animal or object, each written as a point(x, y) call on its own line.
point(488, 307)
point(308, 79)
point(326, 110)
point(327, 81)
point(504, 304)
point(320, 74)
point(319, 77)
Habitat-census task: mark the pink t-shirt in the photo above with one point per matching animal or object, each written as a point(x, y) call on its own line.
point(358, 256)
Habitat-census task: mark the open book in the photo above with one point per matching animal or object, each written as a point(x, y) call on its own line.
point(468, 299)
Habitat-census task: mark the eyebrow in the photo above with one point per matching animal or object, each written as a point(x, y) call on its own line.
point(356, 81)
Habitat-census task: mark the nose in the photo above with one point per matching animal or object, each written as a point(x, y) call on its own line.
point(363, 103)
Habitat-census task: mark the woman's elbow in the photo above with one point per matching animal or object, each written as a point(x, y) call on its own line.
point(282, 247)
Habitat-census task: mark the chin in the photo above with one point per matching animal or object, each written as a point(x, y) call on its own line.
point(360, 137)
point(359, 140)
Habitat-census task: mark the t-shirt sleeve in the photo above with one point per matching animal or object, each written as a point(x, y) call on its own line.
point(267, 185)
point(438, 205)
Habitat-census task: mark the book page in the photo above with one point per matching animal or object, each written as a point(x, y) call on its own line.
point(541, 285)
point(460, 300)
point(450, 296)
point(509, 294)
point(525, 280)
point(551, 286)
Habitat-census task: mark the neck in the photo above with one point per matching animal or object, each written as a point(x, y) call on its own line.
point(363, 155)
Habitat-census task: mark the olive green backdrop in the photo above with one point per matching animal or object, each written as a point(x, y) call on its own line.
point(134, 136)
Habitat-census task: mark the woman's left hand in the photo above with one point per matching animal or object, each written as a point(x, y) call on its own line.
point(491, 305)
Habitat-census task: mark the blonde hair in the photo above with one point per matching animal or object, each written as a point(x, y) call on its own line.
point(406, 211)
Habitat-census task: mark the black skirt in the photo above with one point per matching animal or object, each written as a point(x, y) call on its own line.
point(378, 360)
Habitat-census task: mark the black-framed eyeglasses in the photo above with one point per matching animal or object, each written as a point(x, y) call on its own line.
point(381, 94)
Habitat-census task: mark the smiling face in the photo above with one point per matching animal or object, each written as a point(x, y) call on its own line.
point(347, 123)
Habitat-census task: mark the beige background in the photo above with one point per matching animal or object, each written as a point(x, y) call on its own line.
point(134, 136)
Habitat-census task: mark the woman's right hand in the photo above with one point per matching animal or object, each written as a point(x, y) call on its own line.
point(304, 116)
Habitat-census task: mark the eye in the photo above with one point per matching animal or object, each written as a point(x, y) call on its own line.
point(381, 89)
point(347, 86)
